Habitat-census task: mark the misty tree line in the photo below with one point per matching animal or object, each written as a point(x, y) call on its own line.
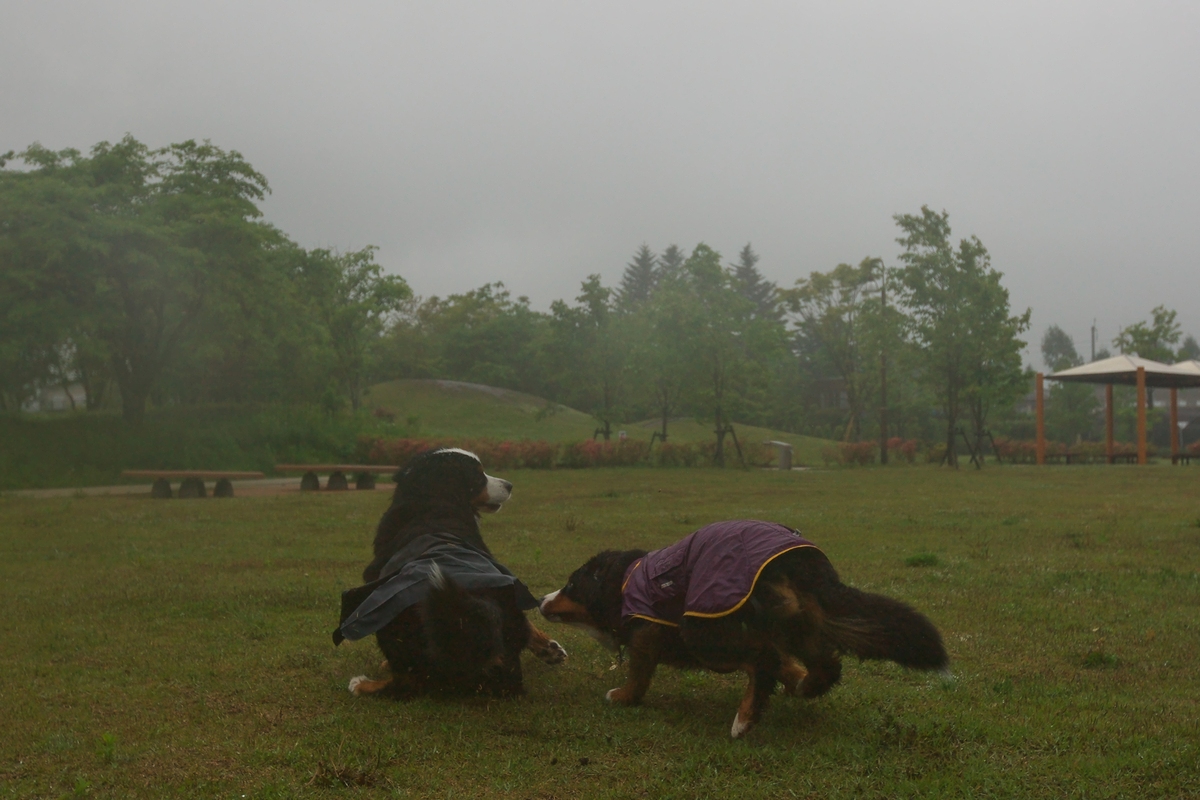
point(149, 276)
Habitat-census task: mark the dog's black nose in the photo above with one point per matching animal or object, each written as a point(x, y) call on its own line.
point(507, 486)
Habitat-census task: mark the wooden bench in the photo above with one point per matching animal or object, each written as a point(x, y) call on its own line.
point(1182, 458)
point(191, 481)
point(364, 475)
point(1123, 458)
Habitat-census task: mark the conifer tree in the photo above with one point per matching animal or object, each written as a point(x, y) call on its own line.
point(639, 279)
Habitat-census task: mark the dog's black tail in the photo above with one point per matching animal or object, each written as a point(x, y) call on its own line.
point(464, 632)
point(872, 626)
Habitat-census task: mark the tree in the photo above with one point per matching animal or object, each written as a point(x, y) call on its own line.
point(591, 359)
point(751, 285)
point(1058, 350)
point(833, 308)
point(136, 243)
point(967, 340)
point(354, 301)
point(670, 263)
point(729, 346)
point(484, 335)
point(1153, 340)
point(1189, 350)
point(1071, 407)
point(660, 339)
point(639, 279)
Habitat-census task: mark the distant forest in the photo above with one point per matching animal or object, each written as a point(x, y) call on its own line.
point(149, 277)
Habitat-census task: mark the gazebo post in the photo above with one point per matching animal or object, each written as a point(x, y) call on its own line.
point(1174, 433)
point(1108, 422)
point(1040, 399)
point(1141, 414)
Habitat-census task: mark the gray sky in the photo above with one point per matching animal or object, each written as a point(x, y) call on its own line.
point(535, 143)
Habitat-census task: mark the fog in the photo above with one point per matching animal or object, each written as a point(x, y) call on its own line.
point(535, 143)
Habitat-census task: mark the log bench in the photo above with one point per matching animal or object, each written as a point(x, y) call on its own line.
point(191, 481)
point(364, 475)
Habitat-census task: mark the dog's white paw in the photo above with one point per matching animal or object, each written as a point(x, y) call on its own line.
point(554, 653)
point(740, 727)
point(354, 683)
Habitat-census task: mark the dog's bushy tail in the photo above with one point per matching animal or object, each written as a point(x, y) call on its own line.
point(872, 626)
point(464, 632)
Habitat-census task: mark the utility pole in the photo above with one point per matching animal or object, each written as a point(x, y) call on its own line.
point(883, 420)
point(1093, 338)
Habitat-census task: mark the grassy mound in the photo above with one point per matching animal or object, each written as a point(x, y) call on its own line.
point(59, 450)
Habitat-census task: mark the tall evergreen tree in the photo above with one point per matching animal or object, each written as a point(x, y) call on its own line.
point(639, 279)
point(751, 285)
point(670, 263)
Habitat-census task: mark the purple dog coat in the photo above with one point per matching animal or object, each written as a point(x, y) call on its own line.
point(709, 573)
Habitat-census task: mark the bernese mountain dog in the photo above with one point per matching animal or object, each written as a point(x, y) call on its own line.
point(447, 615)
point(739, 595)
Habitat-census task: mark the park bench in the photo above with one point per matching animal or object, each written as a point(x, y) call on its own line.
point(191, 481)
point(1123, 458)
point(1182, 458)
point(364, 475)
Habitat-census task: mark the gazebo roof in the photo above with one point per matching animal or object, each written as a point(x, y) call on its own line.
point(1123, 370)
point(1192, 366)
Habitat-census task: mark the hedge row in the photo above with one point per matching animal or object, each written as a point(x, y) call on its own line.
point(863, 453)
point(1025, 451)
point(529, 454)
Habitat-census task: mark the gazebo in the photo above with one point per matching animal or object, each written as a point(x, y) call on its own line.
point(1127, 371)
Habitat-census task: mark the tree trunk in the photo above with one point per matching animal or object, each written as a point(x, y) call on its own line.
point(719, 455)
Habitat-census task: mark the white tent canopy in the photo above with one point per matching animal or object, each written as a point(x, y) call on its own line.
point(1124, 369)
point(1192, 366)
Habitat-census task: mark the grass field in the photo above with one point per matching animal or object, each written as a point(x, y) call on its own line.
point(181, 649)
point(72, 450)
point(449, 408)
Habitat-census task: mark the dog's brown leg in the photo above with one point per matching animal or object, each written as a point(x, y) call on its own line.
point(763, 676)
point(544, 648)
point(645, 648)
point(362, 685)
point(791, 673)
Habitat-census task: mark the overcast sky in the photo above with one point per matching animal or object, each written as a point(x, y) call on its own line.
point(535, 143)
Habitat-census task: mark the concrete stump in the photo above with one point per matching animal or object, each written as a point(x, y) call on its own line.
point(337, 483)
point(366, 480)
point(161, 490)
point(224, 488)
point(192, 487)
point(310, 482)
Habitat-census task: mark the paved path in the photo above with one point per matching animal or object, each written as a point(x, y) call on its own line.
point(258, 486)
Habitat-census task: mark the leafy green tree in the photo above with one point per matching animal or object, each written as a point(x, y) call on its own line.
point(1058, 350)
point(592, 357)
point(659, 333)
point(484, 336)
point(637, 284)
point(354, 300)
point(1154, 340)
point(729, 348)
point(1071, 407)
point(136, 242)
point(967, 340)
point(834, 309)
point(1189, 350)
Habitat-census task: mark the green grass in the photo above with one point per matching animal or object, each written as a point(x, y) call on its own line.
point(68, 450)
point(181, 649)
point(447, 408)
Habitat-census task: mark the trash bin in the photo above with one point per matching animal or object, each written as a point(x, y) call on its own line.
point(784, 451)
